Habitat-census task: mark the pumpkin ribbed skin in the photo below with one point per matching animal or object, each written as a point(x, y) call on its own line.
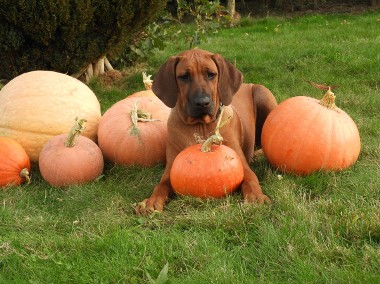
point(206, 174)
point(61, 166)
point(13, 160)
point(39, 105)
point(301, 136)
point(122, 144)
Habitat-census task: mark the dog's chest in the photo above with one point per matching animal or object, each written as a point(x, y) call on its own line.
point(189, 134)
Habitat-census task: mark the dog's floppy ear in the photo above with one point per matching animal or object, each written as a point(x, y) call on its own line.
point(165, 83)
point(229, 79)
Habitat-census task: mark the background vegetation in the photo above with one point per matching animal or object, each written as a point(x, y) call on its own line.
point(323, 228)
point(66, 36)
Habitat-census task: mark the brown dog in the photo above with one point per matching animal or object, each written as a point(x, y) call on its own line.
point(196, 84)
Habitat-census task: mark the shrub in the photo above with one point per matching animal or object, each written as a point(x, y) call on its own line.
point(66, 36)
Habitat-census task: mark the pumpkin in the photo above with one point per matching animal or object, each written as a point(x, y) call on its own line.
point(14, 163)
point(68, 159)
point(207, 170)
point(303, 135)
point(39, 105)
point(133, 131)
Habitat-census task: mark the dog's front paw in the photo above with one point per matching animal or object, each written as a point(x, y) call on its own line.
point(149, 206)
point(260, 198)
point(252, 192)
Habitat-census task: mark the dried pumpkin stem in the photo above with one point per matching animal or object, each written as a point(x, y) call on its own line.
point(215, 138)
point(25, 174)
point(75, 131)
point(328, 100)
point(139, 115)
point(147, 81)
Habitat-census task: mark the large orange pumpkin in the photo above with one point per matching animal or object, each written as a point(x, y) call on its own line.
point(133, 131)
point(302, 135)
point(68, 159)
point(14, 163)
point(38, 105)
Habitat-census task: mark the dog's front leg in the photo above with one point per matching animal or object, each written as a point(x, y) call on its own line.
point(162, 191)
point(251, 188)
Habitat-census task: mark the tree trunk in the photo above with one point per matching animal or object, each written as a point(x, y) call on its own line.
point(231, 7)
point(234, 16)
point(94, 69)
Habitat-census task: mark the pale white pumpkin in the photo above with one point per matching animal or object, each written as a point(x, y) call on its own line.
point(38, 105)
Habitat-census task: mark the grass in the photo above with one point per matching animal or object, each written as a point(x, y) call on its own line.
point(322, 228)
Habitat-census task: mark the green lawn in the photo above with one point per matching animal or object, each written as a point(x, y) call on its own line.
point(323, 228)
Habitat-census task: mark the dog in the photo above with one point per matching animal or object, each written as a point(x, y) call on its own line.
point(197, 84)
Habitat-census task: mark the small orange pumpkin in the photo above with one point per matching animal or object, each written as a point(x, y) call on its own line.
point(134, 132)
point(302, 135)
point(207, 170)
point(68, 159)
point(206, 174)
point(14, 163)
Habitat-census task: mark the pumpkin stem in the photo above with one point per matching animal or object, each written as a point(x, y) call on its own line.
point(25, 174)
point(215, 138)
point(328, 100)
point(147, 81)
point(75, 131)
point(139, 115)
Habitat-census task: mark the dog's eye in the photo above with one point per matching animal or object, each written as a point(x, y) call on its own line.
point(184, 77)
point(211, 75)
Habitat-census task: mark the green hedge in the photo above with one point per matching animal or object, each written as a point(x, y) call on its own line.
point(67, 35)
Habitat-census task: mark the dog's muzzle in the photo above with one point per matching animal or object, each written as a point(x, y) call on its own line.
point(200, 106)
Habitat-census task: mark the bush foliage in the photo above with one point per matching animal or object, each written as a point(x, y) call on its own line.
point(67, 35)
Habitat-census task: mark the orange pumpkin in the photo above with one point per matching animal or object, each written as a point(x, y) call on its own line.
point(302, 135)
point(68, 159)
point(133, 131)
point(216, 173)
point(207, 170)
point(14, 163)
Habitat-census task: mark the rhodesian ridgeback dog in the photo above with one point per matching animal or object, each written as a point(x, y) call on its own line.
point(196, 84)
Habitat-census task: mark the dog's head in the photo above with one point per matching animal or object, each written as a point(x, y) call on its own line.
point(197, 82)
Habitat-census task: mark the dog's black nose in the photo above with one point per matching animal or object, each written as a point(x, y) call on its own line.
point(202, 101)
